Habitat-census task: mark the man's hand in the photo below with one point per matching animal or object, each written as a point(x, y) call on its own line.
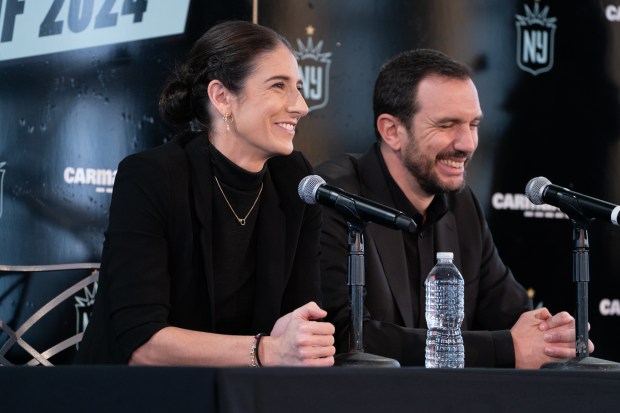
point(540, 337)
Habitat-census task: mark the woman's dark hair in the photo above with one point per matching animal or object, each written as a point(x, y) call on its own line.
point(396, 88)
point(226, 52)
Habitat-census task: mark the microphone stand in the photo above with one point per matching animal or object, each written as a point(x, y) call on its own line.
point(581, 277)
point(356, 357)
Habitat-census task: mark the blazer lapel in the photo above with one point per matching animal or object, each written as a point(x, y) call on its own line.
point(201, 181)
point(389, 243)
point(270, 264)
point(446, 239)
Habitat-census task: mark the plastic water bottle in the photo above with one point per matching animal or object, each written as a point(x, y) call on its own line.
point(444, 314)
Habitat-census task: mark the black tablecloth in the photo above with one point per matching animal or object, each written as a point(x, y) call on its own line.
point(178, 389)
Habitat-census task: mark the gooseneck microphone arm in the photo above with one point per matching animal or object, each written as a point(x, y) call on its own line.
point(581, 278)
point(356, 282)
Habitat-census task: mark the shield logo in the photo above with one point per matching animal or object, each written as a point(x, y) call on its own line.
point(535, 40)
point(314, 67)
point(2, 170)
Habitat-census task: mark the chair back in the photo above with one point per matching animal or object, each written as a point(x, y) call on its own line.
point(37, 330)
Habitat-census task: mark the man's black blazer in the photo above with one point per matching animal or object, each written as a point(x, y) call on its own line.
point(394, 326)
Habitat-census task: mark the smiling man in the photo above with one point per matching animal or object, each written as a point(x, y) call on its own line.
point(427, 115)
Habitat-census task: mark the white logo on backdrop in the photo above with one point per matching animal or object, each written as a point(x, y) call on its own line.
point(314, 67)
point(84, 307)
point(612, 13)
point(535, 39)
point(101, 179)
point(2, 170)
point(519, 202)
point(609, 307)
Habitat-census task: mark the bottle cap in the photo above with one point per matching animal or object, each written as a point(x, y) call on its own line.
point(445, 255)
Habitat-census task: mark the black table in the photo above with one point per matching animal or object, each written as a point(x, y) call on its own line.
point(182, 389)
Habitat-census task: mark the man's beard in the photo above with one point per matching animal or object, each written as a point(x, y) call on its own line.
point(422, 168)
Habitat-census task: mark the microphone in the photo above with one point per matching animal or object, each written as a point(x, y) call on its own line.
point(313, 189)
point(540, 190)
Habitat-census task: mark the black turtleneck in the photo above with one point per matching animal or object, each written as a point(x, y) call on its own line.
point(234, 245)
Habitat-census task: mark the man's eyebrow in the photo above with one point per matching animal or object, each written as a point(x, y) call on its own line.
point(456, 119)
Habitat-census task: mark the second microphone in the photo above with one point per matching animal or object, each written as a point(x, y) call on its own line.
point(313, 189)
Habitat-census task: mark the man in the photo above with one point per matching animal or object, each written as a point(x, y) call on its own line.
point(427, 115)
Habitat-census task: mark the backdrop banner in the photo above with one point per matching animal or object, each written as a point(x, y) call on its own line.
point(79, 83)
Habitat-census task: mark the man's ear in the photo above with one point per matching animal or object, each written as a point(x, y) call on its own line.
point(391, 130)
point(220, 97)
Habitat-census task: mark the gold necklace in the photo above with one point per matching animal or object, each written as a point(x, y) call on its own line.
point(241, 220)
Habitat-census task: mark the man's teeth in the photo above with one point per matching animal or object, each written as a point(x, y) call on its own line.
point(451, 163)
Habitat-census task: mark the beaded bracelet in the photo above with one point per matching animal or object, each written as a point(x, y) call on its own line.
point(254, 359)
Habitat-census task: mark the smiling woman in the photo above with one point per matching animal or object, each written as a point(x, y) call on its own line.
point(210, 257)
point(260, 120)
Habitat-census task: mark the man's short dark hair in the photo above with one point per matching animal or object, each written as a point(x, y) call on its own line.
point(396, 87)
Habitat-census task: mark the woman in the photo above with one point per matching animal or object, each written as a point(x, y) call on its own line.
point(208, 245)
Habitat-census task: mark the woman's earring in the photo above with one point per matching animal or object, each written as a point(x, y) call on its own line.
point(228, 119)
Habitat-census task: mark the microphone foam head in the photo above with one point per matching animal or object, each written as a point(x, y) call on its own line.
point(534, 189)
point(308, 186)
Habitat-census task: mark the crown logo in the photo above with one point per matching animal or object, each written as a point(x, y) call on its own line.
point(309, 50)
point(536, 16)
point(88, 299)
